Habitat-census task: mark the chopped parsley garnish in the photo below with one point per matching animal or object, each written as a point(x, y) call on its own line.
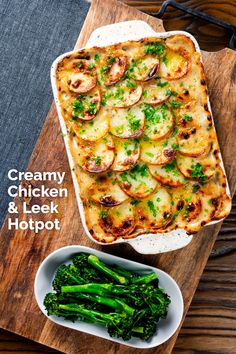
point(91, 65)
point(171, 93)
point(78, 106)
point(119, 93)
point(175, 104)
point(154, 115)
point(103, 214)
point(164, 106)
point(103, 71)
point(73, 119)
point(175, 131)
point(165, 60)
point(96, 57)
point(92, 107)
point(111, 60)
point(149, 154)
point(132, 84)
point(152, 208)
point(133, 122)
point(187, 117)
point(83, 104)
point(97, 160)
point(103, 101)
point(195, 188)
point(168, 92)
point(105, 96)
point(144, 93)
point(175, 146)
point(165, 143)
point(161, 84)
point(141, 170)
point(156, 48)
point(188, 199)
point(135, 201)
point(197, 172)
point(171, 168)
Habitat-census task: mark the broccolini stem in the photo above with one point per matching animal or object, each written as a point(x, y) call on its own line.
point(95, 316)
point(96, 263)
point(116, 304)
point(93, 288)
point(121, 271)
point(137, 329)
point(144, 279)
point(126, 308)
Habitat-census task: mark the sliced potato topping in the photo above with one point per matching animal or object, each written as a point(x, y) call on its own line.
point(181, 43)
point(215, 189)
point(156, 92)
point(86, 107)
point(154, 212)
point(122, 95)
point(94, 129)
point(107, 192)
point(83, 78)
point(137, 182)
point(126, 154)
point(159, 122)
point(186, 205)
point(114, 69)
point(191, 115)
point(93, 215)
point(118, 220)
point(111, 66)
point(173, 65)
point(200, 168)
point(145, 68)
point(142, 138)
point(168, 174)
point(127, 123)
point(223, 206)
point(205, 215)
point(84, 178)
point(193, 141)
point(98, 156)
point(158, 152)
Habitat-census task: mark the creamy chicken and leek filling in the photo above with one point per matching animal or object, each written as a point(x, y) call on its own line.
point(141, 135)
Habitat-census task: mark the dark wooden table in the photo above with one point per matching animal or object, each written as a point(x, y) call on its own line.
point(210, 326)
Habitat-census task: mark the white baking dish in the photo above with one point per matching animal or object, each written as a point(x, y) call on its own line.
point(103, 36)
point(166, 327)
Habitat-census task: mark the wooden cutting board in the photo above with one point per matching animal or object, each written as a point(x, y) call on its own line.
point(22, 251)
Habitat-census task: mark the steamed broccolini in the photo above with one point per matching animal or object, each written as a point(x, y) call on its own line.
point(126, 303)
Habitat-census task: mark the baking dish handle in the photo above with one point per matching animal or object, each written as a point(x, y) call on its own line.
point(202, 16)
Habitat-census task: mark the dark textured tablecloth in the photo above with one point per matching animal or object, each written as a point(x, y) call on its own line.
point(32, 34)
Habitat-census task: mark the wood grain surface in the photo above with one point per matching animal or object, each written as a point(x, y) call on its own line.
point(21, 251)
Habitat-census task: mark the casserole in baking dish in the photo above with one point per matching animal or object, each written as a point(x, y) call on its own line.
point(141, 137)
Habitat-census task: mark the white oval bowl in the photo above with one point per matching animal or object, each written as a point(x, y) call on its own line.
point(166, 327)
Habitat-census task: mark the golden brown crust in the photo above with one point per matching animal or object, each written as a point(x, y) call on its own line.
point(142, 138)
